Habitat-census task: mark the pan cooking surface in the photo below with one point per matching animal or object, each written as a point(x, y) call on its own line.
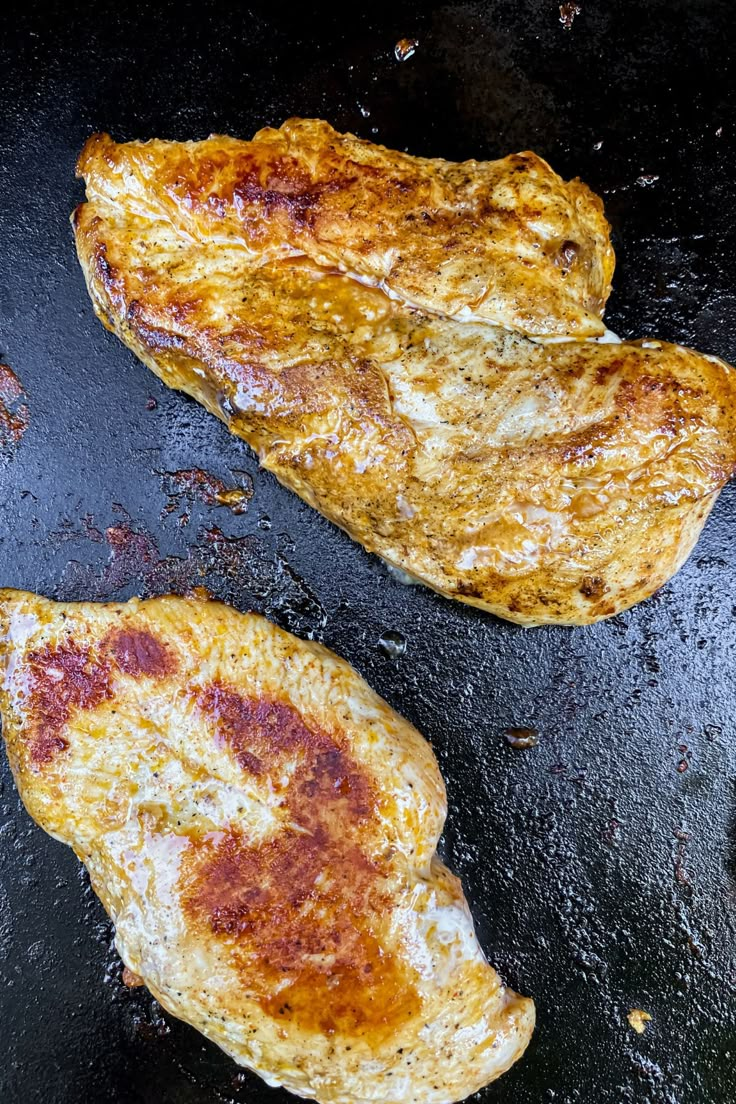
point(600, 864)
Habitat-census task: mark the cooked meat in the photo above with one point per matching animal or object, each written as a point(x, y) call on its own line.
point(558, 482)
point(261, 828)
point(507, 241)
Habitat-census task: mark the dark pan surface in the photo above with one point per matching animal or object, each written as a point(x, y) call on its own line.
point(600, 865)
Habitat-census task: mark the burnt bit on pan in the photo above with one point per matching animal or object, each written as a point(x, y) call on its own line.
point(405, 48)
point(195, 484)
point(568, 11)
point(226, 564)
point(14, 412)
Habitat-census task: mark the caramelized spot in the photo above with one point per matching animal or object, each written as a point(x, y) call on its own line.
point(138, 652)
point(607, 370)
point(263, 185)
point(469, 590)
point(62, 677)
point(647, 396)
point(592, 586)
point(296, 910)
point(265, 734)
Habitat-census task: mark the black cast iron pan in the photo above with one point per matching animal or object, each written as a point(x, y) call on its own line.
point(600, 864)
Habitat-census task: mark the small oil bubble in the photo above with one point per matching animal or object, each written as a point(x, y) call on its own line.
point(405, 48)
point(364, 111)
point(521, 738)
point(392, 644)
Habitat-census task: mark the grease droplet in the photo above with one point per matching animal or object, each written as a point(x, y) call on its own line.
point(392, 644)
point(521, 738)
point(405, 48)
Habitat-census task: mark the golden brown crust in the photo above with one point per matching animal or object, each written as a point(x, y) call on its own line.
point(261, 828)
point(307, 897)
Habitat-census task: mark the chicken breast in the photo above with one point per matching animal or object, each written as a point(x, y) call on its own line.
point(507, 241)
point(543, 482)
point(261, 828)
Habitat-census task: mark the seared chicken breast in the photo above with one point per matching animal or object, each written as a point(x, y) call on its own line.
point(261, 828)
point(285, 286)
point(505, 241)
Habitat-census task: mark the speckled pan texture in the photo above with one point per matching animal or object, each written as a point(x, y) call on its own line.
point(599, 862)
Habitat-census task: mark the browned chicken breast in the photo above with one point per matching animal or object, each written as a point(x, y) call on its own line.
point(506, 241)
point(261, 827)
point(283, 284)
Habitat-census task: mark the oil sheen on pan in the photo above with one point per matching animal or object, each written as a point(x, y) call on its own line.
point(416, 347)
point(261, 828)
